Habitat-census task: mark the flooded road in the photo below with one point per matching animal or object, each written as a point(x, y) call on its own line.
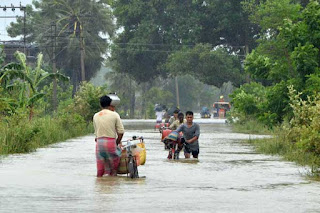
point(228, 177)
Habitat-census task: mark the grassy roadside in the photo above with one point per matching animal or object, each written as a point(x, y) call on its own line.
point(251, 127)
point(279, 145)
point(19, 135)
point(289, 152)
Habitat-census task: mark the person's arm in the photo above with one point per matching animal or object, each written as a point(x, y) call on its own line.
point(196, 135)
point(179, 129)
point(95, 130)
point(119, 138)
point(120, 130)
point(192, 139)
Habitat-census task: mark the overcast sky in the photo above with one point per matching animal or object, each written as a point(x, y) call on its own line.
point(5, 16)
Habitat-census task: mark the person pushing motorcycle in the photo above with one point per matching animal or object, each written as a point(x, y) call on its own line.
point(191, 133)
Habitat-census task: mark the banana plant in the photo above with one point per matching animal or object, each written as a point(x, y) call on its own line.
point(27, 80)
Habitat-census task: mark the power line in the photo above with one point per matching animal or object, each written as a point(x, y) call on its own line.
point(8, 16)
point(139, 51)
point(22, 8)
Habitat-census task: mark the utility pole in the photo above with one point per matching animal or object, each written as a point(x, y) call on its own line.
point(24, 29)
point(82, 55)
point(54, 67)
point(246, 54)
point(177, 92)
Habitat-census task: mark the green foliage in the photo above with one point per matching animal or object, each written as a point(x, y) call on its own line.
point(312, 84)
point(210, 67)
point(270, 14)
point(157, 95)
point(269, 105)
point(305, 59)
point(125, 88)
point(287, 46)
point(258, 65)
point(64, 96)
point(248, 100)
point(26, 81)
point(155, 30)
point(298, 139)
point(277, 105)
point(6, 103)
point(291, 48)
point(246, 103)
point(86, 100)
point(150, 113)
point(304, 127)
point(194, 94)
point(19, 135)
point(154, 95)
point(288, 54)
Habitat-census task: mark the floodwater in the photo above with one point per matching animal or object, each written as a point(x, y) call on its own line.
point(228, 177)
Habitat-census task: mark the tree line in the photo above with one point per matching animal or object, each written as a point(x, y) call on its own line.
point(214, 41)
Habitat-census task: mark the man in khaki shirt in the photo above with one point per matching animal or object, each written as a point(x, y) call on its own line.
point(107, 123)
point(109, 130)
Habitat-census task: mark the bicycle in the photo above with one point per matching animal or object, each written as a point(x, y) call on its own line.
point(131, 160)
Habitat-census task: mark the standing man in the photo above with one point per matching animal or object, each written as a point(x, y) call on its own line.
point(191, 133)
point(159, 116)
point(109, 130)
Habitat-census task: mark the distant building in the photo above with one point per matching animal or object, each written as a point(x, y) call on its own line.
point(10, 47)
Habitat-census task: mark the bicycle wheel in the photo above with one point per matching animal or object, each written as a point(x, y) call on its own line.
point(132, 168)
point(176, 152)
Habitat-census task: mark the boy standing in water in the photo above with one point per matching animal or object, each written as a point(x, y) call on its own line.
point(191, 133)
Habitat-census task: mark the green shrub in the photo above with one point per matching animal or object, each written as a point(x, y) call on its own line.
point(150, 111)
point(248, 101)
point(304, 127)
point(86, 100)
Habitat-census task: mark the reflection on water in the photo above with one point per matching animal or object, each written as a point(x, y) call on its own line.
point(183, 160)
point(106, 185)
point(229, 176)
point(109, 184)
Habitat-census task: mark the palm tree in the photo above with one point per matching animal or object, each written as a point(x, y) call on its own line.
point(78, 43)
